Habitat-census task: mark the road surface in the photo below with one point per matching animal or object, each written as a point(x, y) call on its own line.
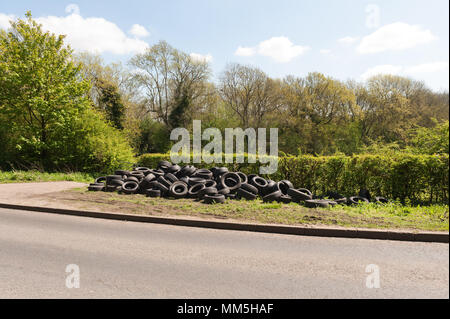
point(119, 259)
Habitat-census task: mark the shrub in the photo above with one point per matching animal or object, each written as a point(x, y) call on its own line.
point(417, 178)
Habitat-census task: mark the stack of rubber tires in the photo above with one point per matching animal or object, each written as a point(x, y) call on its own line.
point(211, 186)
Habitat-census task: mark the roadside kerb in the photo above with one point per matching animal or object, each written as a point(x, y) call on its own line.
point(441, 237)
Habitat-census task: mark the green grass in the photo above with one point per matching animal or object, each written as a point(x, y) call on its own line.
point(36, 176)
point(388, 216)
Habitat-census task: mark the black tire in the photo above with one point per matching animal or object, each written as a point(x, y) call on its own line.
point(153, 193)
point(242, 193)
point(286, 199)
point(298, 196)
point(97, 184)
point(157, 172)
point(143, 170)
point(170, 177)
point(164, 165)
point(284, 186)
point(207, 191)
point(186, 171)
point(130, 187)
point(132, 179)
point(230, 180)
point(271, 187)
point(210, 183)
point(243, 177)
point(164, 181)
point(195, 189)
point(174, 169)
point(100, 179)
point(259, 182)
point(214, 199)
point(115, 182)
point(313, 203)
point(381, 200)
point(139, 175)
point(341, 201)
point(111, 188)
point(113, 177)
point(365, 194)
point(249, 188)
point(272, 197)
point(306, 191)
point(95, 188)
point(203, 173)
point(355, 200)
point(163, 188)
point(178, 189)
point(230, 196)
point(224, 191)
point(219, 171)
point(184, 179)
point(122, 172)
point(196, 180)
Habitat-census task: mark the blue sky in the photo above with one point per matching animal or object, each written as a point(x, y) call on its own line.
point(346, 39)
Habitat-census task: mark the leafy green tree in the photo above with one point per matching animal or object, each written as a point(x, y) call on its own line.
point(434, 140)
point(111, 103)
point(44, 106)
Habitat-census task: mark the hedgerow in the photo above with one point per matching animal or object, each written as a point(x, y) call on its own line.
point(404, 177)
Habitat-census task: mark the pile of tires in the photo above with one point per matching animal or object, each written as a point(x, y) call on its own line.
point(210, 186)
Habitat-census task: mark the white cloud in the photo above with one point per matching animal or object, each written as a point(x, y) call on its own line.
point(244, 51)
point(4, 20)
point(348, 40)
point(96, 35)
point(325, 51)
point(394, 37)
point(281, 49)
point(200, 57)
point(139, 31)
point(73, 8)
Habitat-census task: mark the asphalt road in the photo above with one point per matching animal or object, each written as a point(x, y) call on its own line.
point(135, 260)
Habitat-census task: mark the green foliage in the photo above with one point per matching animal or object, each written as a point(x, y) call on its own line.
point(111, 103)
point(434, 140)
point(417, 178)
point(46, 120)
point(37, 176)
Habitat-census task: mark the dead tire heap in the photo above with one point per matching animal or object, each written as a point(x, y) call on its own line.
point(216, 185)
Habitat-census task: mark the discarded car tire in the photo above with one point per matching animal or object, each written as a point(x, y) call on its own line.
point(297, 195)
point(230, 180)
point(242, 193)
point(272, 197)
point(153, 193)
point(214, 198)
point(130, 187)
point(195, 189)
point(178, 189)
point(355, 200)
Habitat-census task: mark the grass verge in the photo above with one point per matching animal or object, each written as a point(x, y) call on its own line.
point(389, 216)
point(36, 176)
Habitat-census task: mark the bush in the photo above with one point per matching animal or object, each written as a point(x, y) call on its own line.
point(406, 177)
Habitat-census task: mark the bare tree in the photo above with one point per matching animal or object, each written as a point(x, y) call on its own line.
point(249, 92)
point(169, 79)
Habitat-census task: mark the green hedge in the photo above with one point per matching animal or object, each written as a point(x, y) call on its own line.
point(417, 178)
